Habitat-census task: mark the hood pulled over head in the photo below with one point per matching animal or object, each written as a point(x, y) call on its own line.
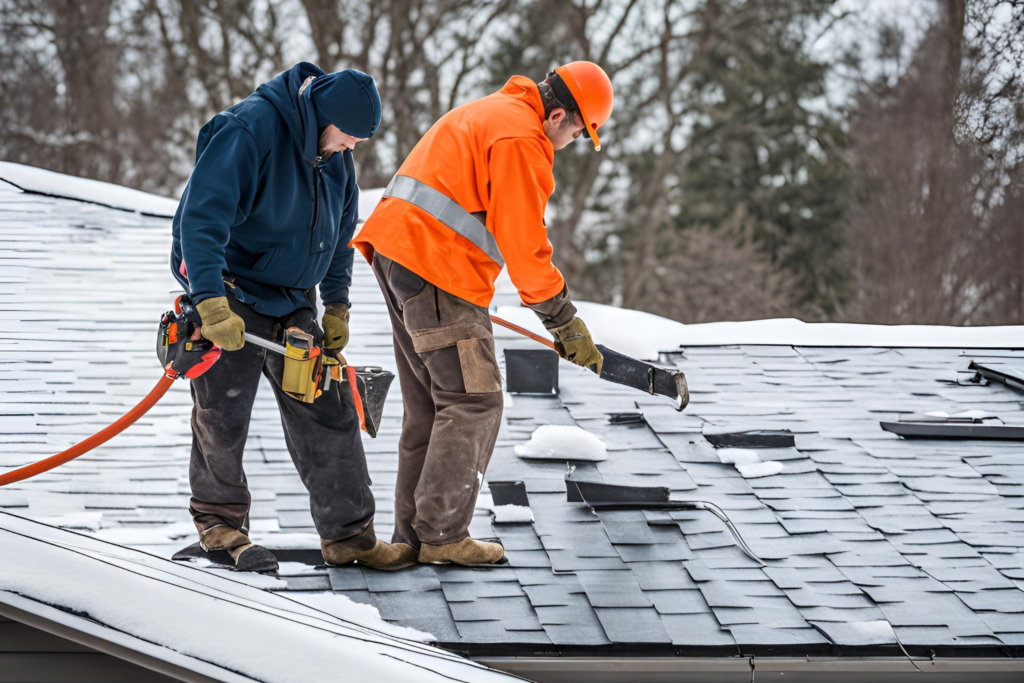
point(296, 111)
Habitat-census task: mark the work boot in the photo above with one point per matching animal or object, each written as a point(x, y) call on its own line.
point(386, 556)
point(467, 551)
point(254, 558)
point(221, 539)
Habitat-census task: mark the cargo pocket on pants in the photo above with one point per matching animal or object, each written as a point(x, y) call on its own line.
point(480, 371)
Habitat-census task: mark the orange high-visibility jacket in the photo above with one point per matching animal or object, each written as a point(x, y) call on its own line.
point(489, 155)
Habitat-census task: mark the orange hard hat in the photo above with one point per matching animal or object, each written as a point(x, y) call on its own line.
point(592, 90)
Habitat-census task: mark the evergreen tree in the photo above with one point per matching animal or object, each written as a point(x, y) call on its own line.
point(762, 142)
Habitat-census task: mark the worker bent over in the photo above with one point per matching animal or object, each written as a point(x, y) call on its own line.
point(265, 218)
point(468, 200)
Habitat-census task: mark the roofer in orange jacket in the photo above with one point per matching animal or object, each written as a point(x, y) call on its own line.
point(470, 199)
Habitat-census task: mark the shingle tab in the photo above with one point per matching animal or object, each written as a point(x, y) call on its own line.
point(632, 625)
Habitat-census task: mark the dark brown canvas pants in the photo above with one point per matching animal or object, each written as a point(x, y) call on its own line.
point(322, 437)
point(451, 393)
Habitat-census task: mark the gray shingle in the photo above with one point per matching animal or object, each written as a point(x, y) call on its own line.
point(858, 633)
point(695, 630)
point(632, 625)
point(420, 578)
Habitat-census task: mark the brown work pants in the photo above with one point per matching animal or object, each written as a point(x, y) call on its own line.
point(451, 394)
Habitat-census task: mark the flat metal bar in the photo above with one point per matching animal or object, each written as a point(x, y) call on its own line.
point(265, 343)
point(1008, 375)
point(922, 430)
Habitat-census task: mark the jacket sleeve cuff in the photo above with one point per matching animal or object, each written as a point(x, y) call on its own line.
point(196, 294)
point(337, 297)
point(556, 311)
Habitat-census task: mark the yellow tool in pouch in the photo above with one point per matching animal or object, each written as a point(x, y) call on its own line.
point(304, 366)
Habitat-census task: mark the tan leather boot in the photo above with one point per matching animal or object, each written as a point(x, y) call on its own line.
point(467, 551)
point(384, 556)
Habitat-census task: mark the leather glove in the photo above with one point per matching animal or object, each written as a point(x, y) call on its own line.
point(573, 343)
point(220, 325)
point(335, 324)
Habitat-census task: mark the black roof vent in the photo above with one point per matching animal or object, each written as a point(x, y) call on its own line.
point(752, 439)
point(531, 371)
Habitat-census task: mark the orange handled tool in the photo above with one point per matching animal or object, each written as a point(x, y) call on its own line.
point(523, 331)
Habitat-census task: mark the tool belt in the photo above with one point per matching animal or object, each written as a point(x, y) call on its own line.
point(308, 371)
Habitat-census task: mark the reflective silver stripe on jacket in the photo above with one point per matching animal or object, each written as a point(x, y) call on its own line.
point(444, 209)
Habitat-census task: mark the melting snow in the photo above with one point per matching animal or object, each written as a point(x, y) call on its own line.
point(748, 462)
point(738, 456)
point(75, 520)
point(760, 469)
point(971, 414)
point(512, 514)
point(350, 611)
point(561, 442)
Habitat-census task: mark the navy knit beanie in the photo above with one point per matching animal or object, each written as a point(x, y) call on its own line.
point(349, 100)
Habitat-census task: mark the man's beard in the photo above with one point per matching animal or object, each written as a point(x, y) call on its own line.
point(323, 153)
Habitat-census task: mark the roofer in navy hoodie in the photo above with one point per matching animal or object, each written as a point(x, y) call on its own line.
point(267, 217)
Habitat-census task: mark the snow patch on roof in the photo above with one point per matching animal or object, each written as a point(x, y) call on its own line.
point(644, 335)
point(41, 181)
point(563, 442)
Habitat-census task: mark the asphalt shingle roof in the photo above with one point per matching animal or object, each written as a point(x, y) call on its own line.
point(866, 537)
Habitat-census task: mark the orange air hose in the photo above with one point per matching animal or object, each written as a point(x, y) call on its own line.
point(93, 441)
point(523, 331)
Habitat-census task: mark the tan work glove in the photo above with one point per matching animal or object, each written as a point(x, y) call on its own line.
point(220, 325)
point(573, 343)
point(335, 324)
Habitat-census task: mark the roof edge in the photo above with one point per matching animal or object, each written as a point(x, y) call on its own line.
point(61, 624)
point(45, 183)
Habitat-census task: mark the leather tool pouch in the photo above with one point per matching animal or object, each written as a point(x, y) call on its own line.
point(299, 375)
point(302, 366)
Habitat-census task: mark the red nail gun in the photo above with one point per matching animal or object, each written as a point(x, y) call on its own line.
point(179, 355)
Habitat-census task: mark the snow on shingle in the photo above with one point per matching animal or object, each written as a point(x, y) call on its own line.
point(644, 335)
point(43, 182)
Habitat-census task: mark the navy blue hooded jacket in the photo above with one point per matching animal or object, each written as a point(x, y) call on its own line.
point(259, 212)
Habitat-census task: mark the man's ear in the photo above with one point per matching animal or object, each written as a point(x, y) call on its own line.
point(556, 116)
